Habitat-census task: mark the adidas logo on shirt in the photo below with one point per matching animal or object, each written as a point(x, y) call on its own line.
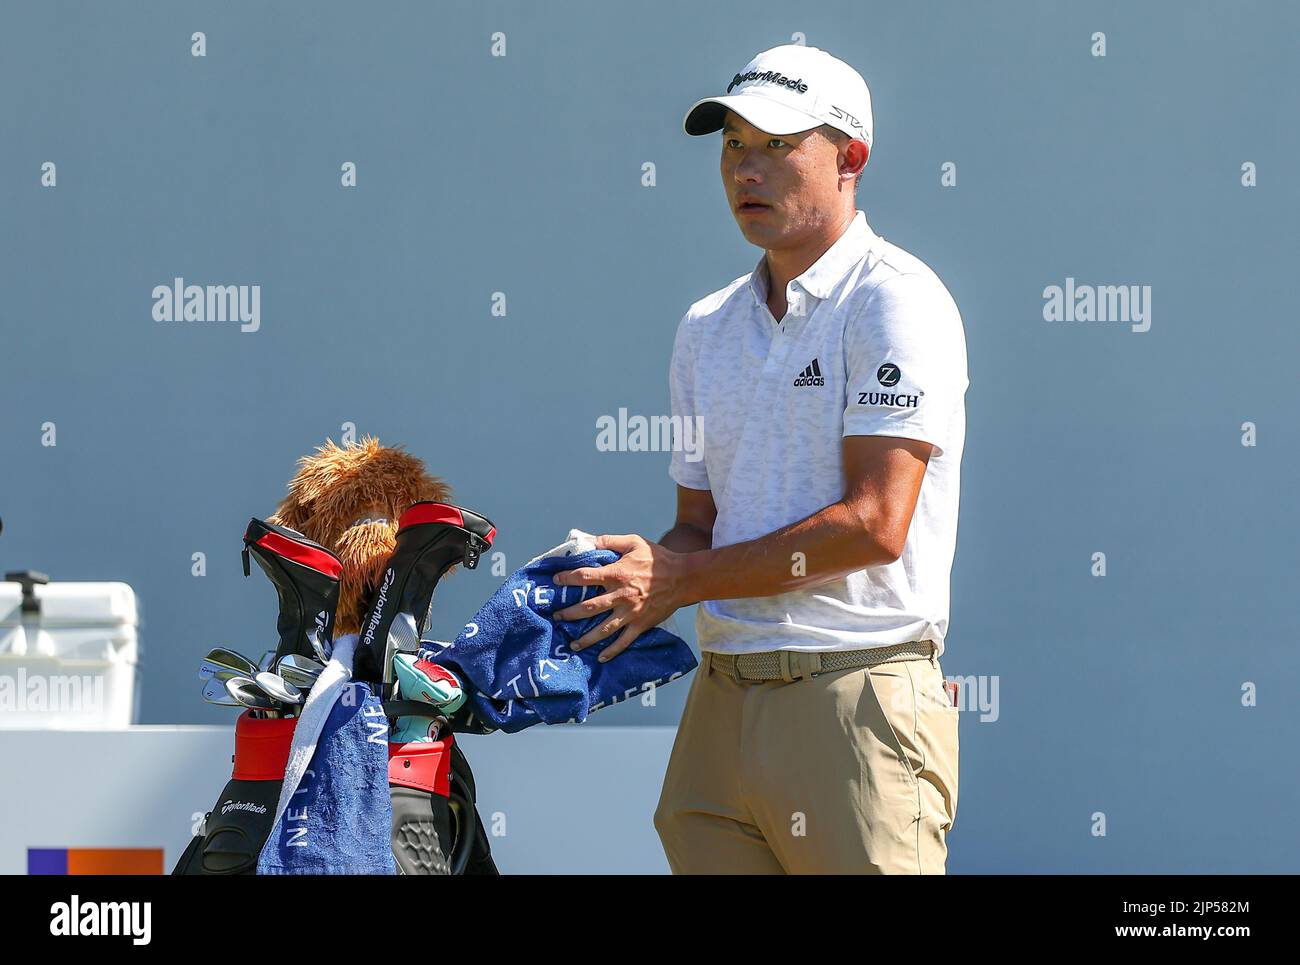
point(812, 375)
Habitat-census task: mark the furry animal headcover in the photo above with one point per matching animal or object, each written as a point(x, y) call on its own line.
point(349, 500)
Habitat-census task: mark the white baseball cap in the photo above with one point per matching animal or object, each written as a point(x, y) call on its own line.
point(789, 89)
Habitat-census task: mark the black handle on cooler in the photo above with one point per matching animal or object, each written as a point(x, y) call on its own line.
point(28, 579)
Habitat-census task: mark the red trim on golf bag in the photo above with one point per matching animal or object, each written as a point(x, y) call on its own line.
point(421, 766)
point(262, 747)
point(326, 563)
point(431, 513)
point(491, 534)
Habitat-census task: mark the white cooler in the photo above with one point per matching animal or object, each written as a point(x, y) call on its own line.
point(69, 654)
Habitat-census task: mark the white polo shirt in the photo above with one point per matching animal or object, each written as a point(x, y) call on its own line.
point(878, 350)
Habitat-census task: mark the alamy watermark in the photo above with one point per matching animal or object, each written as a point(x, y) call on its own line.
point(965, 693)
point(24, 693)
point(179, 302)
point(1129, 304)
point(658, 433)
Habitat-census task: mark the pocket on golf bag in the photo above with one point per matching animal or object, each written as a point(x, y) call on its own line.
point(234, 831)
point(436, 826)
point(238, 825)
point(423, 826)
point(423, 835)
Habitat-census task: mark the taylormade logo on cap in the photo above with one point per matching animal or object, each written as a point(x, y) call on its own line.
point(768, 75)
point(787, 90)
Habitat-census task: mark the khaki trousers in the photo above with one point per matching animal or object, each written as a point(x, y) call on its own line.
point(847, 772)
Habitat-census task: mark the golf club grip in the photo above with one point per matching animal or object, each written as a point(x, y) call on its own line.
point(409, 708)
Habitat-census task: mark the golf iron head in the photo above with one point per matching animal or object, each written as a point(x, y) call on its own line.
point(215, 692)
point(247, 693)
point(277, 688)
point(302, 672)
point(221, 659)
point(207, 671)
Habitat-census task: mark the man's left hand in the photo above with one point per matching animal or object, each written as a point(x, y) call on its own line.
point(642, 589)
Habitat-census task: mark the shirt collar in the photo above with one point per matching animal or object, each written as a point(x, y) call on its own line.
point(826, 272)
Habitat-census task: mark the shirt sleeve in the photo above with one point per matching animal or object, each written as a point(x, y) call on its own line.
point(905, 356)
point(686, 468)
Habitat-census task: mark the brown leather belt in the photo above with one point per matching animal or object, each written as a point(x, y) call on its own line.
point(791, 665)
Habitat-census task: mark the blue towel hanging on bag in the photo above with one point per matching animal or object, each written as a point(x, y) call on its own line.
point(335, 815)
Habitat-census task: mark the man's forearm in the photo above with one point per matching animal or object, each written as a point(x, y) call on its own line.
point(684, 538)
point(829, 544)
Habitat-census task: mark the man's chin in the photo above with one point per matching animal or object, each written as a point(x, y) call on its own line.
point(759, 230)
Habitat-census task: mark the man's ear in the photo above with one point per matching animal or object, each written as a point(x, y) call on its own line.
point(856, 148)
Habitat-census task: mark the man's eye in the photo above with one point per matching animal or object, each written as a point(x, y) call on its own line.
point(772, 142)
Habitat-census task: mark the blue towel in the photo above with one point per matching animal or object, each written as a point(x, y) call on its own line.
point(516, 666)
point(339, 820)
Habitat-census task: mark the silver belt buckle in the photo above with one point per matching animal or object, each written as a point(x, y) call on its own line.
point(814, 663)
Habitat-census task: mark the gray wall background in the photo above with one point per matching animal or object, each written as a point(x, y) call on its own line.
point(1119, 694)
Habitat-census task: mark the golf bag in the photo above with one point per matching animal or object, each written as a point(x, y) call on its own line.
point(436, 828)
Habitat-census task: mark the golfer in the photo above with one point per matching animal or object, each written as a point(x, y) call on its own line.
point(817, 532)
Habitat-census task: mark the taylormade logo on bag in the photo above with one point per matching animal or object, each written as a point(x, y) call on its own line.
point(72, 919)
point(389, 576)
point(249, 806)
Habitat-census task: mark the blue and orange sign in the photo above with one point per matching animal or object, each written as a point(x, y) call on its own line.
point(94, 861)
